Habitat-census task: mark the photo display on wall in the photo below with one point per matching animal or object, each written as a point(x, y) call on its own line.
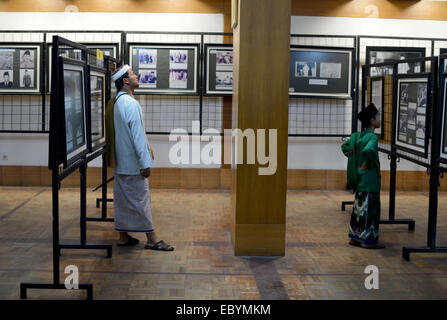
point(444, 120)
point(169, 68)
point(97, 106)
point(19, 69)
point(412, 109)
point(321, 72)
point(389, 54)
point(219, 69)
point(377, 98)
point(76, 54)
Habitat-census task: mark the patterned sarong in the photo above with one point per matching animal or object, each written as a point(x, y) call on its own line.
point(365, 218)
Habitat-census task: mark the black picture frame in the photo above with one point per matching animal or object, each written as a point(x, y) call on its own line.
point(83, 148)
point(77, 56)
point(388, 54)
point(381, 99)
point(443, 51)
point(402, 121)
point(163, 72)
point(16, 68)
point(443, 91)
point(210, 69)
point(97, 96)
point(334, 79)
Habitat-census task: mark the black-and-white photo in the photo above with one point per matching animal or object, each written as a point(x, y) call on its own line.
point(224, 80)
point(395, 54)
point(178, 79)
point(6, 59)
point(26, 78)
point(412, 114)
point(377, 99)
point(330, 70)
point(147, 78)
point(422, 95)
point(403, 94)
point(178, 59)
point(147, 58)
point(27, 59)
point(6, 79)
point(403, 123)
point(305, 69)
point(224, 60)
point(420, 127)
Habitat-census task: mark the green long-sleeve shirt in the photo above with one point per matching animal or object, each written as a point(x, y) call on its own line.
point(366, 151)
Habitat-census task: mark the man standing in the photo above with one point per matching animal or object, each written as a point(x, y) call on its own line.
point(133, 159)
point(26, 79)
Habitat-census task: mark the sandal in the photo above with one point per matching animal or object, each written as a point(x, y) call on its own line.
point(160, 246)
point(373, 246)
point(131, 242)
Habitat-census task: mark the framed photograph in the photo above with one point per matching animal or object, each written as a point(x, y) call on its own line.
point(73, 110)
point(20, 68)
point(97, 107)
point(443, 105)
point(389, 54)
point(376, 96)
point(165, 68)
point(219, 69)
point(321, 72)
point(110, 49)
point(413, 110)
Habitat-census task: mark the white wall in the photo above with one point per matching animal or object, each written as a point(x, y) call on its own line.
point(303, 153)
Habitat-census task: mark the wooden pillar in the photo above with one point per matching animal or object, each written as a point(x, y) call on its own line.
point(261, 43)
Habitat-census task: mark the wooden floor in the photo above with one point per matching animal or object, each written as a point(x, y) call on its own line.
point(318, 264)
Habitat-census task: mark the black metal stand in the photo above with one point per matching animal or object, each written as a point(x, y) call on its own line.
point(83, 219)
point(56, 247)
point(103, 198)
point(392, 201)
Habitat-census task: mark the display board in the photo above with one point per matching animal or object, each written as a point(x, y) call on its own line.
point(76, 54)
point(413, 108)
point(19, 68)
point(388, 54)
point(444, 51)
point(376, 94)
point(321, 72)
point(73, 90)
point(444, 119)
point(167, 68)
point(97, 107)
point(219, 69)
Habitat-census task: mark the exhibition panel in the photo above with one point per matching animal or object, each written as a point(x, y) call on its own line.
point(169, 69)
point(321, 72)
point(20, 68)
point(318, 115)
point(218, 75)
point(97, 106)
point(413, 113)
